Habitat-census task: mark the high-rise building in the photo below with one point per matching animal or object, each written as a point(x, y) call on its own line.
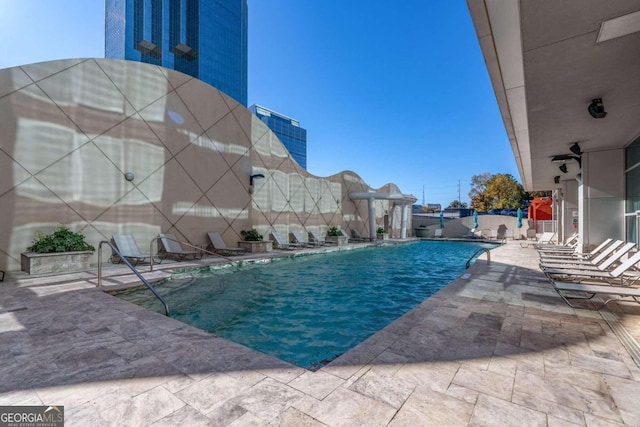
point(206, 39)
point(288, 130)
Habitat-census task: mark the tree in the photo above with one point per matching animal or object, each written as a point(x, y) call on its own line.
point(457, 204)
point(498, 191)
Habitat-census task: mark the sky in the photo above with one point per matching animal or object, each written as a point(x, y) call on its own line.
point(394, 91)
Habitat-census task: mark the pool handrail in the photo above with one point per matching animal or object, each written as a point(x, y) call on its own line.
point(136, 272)
point(476, 253)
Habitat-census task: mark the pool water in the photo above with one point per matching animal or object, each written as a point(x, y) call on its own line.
point(309, 310)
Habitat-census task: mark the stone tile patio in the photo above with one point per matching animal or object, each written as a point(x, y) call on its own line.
point(496, 347)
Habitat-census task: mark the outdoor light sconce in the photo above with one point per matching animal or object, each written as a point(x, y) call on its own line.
point(596, 109)
point(556, 179)
point(563, 168)
point(129, 176)
point(562, 158)
point(251, 178)
point(575, 149)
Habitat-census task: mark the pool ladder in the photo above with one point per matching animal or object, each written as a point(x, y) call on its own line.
point(477, 253)
point(132, 268)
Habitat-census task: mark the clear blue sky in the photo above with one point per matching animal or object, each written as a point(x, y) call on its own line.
point(394, 91)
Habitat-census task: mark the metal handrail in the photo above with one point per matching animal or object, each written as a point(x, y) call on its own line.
point(155, 239)
point(128, 264)
point(478, 252)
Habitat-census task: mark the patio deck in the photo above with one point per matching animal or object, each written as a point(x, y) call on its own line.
point(496, 347)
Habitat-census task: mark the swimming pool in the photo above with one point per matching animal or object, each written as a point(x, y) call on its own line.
point(309, 310)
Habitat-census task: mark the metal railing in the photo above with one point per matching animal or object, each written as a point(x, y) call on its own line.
point(155, 239)
point(477, 253)
point(136, 272)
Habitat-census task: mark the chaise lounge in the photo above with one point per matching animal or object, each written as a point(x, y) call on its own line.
point(218, 246)
point(127, 246)
point(170, 246)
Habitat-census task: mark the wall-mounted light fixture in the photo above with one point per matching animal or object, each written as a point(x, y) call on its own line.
point(251, 178)
point(563, 168)
point(129, 176)
point(556, 179)
point(575, 149)
point(596, 109)
point(562, 158)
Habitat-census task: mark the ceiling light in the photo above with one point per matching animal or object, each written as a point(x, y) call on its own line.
point(596, 109)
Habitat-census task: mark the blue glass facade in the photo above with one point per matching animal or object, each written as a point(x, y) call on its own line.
point(206, 39)
point(288, 130)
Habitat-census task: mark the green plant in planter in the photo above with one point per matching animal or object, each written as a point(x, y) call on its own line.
point(251, 235)
point(380, 230)
point(61, 240)
point(334, 231)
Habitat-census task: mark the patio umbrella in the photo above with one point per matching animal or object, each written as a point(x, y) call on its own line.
point(519, 215)
point(441, 219)
point(475, 219)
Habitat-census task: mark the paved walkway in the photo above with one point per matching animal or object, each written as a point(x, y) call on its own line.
point(496, 347)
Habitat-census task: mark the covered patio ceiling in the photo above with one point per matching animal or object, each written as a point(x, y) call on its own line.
point(547, 62)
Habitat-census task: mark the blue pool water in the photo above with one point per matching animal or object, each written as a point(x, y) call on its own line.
point(308, 310)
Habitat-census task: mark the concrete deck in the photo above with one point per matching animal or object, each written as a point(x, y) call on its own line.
point(496, 347)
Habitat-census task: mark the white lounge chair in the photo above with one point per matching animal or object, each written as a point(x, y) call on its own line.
point(218, 245)
point(127, 246)
point(573, 254)
point(624, 274)
point(170, 246)
point(281, 243)
point(601, 263)
point(564, 289)
point(545, 239)
point(317, 239)
point(299, 239)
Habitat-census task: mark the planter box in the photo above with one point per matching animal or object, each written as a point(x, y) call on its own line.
point(336, 240)
point(422, 232)
point(253, 247)
point(383, 236)
point(60, 262)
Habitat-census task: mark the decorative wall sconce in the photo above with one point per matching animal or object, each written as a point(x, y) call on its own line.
point(596, 109)
point(556, 179)
point(129, 176)
point(563, 168)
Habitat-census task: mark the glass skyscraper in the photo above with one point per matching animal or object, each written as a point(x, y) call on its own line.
point(206, 39)
point(288, 130)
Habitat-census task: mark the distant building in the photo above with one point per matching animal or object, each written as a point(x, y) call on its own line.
point(288, 130)
point(206, 39)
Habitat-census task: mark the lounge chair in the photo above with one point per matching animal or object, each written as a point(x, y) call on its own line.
point(601, 263)
point(171, 247)
point(473, 234)
point(545, 239)
point(624, 274)
point(127, 246)
point(283, 244)
point(316, 239)
point(569, 246)
point(299, 239)
point(592, 290)
point(438, 232)
point(573, 254)
point(357, 238)
point(217, 245)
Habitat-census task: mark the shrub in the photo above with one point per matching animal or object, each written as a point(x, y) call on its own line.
point(251, 235)
point(380, 230)
point(61, 240)
point(334, 231)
